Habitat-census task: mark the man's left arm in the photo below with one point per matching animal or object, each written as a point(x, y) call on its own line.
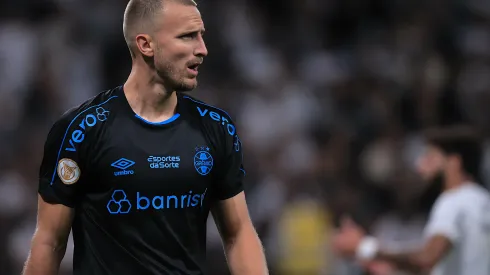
point(242, 246)
point(423, 260)
point(441, 232)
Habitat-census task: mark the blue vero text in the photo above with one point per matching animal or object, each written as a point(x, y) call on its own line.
point(217, 117)
point(88, 121)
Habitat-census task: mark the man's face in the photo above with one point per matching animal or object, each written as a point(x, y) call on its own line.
point(431, 164)
point(179, 45)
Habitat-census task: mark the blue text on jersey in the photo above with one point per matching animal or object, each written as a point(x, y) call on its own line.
point(90, 120)
point(120, 203)
point(68, 128)
point(169, 201)
point(164, 161)
point(215, 116)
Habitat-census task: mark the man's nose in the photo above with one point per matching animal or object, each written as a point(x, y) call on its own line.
point(201, 49)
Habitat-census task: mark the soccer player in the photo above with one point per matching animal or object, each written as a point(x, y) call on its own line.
point(457, 235)
point(135, 171)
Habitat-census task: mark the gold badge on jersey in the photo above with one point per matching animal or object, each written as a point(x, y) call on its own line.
point(68, 171)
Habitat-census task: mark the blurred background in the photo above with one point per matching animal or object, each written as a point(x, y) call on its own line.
point(329, 97)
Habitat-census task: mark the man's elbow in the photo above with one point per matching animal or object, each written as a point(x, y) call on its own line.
point(45, 255)
point(435, 250)
point(243, 233)
point(427, 262)
point(46, 241)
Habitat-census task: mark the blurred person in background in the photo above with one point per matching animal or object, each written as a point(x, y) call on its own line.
point(457, 235)
point(136, 170)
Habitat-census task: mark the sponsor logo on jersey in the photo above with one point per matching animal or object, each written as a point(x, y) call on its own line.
point(230, 128)
point(123, 164)
point(89, 121)
point(68, 171)
point(164, 162)
point(121, 204)
point(203, 161)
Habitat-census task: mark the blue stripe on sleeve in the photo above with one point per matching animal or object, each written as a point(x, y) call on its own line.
point(68, 128)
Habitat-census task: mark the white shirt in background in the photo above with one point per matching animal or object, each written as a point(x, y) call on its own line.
point(463, 216)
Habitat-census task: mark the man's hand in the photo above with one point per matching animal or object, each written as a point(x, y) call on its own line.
point(379, 268)
point(348, 238)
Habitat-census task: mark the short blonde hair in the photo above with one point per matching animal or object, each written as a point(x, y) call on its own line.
point(139, 17)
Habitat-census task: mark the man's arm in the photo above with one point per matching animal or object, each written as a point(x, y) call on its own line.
point(59, 192)
point(242, 246)
point(49, 241)
point(442, 231)
point(419, 261)
point(352, 241)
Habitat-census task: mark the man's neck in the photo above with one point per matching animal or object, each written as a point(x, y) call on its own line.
point(148, 98)
point(456, 182)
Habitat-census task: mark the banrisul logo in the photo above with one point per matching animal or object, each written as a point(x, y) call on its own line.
point(203, 161)
point(174, 201)
point(89, 121)
point(120, 202)
point(123, 164)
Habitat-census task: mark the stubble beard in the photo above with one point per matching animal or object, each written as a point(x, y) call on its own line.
point(173, 78)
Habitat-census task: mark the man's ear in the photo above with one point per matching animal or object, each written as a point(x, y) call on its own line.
point(145, 45)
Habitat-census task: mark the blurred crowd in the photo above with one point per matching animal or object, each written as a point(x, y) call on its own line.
point(329, 97)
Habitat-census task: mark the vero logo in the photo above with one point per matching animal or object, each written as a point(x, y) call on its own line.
point(123, 164)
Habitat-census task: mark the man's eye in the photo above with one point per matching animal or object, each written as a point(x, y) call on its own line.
point(189, 36)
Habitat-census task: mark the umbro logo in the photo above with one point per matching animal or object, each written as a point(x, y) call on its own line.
point(123, 164)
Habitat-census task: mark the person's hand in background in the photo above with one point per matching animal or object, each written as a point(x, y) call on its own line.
point(348, 238)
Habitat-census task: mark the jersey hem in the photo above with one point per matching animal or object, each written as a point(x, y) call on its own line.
point(231, 194)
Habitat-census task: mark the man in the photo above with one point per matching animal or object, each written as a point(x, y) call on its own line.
point(457, 235)
point(136, 170)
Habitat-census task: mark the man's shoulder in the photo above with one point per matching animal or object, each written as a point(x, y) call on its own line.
point(465, 194)
point(96, 106)
point(210, 115)
point(463, 198)
point(205, 110)
point(79, 120)
point(449, 199)
point(217, 122)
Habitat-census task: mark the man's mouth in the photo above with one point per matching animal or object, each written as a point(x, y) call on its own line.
point(193, 69)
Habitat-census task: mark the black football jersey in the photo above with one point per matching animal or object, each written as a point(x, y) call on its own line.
point(141, 191)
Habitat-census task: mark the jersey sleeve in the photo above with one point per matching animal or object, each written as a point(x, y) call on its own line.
point(230, 182)
point(445, 219)
point(60, 174)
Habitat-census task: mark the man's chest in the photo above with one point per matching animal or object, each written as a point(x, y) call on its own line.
point(176, 162)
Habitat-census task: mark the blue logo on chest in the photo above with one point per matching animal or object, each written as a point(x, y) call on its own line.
point(123, 164)
point(119, 204)
point(203, 161)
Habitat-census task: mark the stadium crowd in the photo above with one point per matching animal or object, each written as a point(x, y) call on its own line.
point(329, 97)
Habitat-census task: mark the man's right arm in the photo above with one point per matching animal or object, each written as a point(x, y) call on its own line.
point(60, 177)
point(50, 238)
